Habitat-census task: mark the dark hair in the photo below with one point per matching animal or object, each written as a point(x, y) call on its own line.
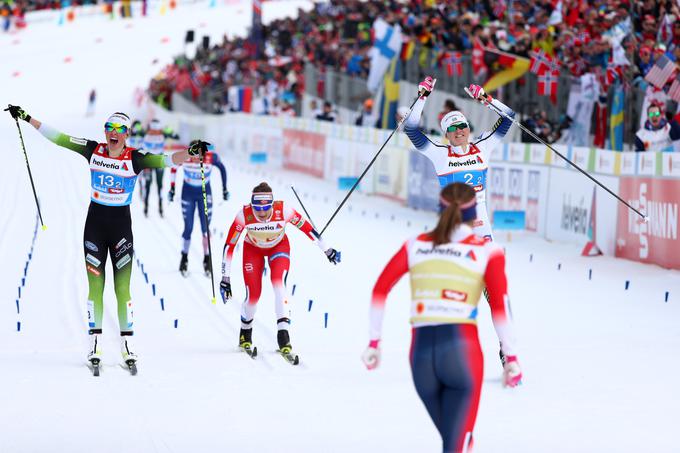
point(454, 195)
point(262, 187)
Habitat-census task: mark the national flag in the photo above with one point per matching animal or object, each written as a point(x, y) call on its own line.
point(478, 64)
point(390, 99)
point(454, 63)
point(600, 125)
point(386, 46)
point(556, 15)
point(510, 67)
point(547, 85)
point(674, 90)
point(541, 59)
point(616, 119)
point(614, 73)
point(407, 49)
point(661, 71)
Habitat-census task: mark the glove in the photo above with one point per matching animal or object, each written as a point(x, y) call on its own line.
point(478, 93)
point(225, 195)
point(333, 255)
point(225, 289)
point(371, 356)
point(426, 86)
point(171, 194)
point(18, 113)
point(199, 147)
point(512, 374)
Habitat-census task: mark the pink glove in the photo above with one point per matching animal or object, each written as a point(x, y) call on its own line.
point(478, 93)
point(426, 86)
point(512, 374)
point(371, 356)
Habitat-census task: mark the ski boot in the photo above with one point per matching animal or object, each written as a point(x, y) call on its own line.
point(129, 357)
point(206, 265)
point(184, 264)
point(285, 348)
point(94, 357)
point(245, 342)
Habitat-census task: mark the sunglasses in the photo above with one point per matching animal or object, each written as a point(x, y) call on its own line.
point(457, 126)
point(262, 207)
point(654, 114)
point(118, 128)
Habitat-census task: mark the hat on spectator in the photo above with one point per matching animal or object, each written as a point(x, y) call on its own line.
point(450, 118)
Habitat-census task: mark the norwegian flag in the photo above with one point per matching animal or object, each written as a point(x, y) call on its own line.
point(478, 65)
point(614, 73)
point(578, 67)
point(454, 63)
point(540, 59)
point(674, 90)
point(661, 71)
point(547, 84)
point(499, 9)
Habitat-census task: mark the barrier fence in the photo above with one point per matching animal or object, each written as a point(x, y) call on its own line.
point(559, 203)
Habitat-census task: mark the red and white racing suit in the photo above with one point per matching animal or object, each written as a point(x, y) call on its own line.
point(265, 240)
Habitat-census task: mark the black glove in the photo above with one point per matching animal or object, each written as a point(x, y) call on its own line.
point(333, 255)
point(198, 146)
point(225, 195)
point(171, 194)
point(18, 113)
point(225, 289)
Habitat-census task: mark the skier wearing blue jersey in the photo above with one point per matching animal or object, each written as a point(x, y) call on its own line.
point(464, 159)
point(192, 200)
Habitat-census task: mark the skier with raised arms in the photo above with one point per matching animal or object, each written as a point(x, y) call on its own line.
point(464, 159)
point(449, 267)
point(264, 221)
point(114, 168)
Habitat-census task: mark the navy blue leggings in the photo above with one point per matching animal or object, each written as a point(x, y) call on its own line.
point(192, 200)
point(447, 367)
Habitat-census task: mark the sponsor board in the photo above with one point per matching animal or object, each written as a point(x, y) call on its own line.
point(304, 152)
point(422, 183)
point(655, 241)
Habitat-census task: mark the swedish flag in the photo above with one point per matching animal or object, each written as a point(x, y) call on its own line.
point(390, 98)
point(616, 119)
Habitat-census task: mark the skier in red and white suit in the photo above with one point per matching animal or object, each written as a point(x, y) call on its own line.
point(264, 221)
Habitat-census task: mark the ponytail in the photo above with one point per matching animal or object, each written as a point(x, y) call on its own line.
point(453, 199)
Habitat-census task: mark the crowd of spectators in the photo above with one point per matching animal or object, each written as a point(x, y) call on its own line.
point(583, 36)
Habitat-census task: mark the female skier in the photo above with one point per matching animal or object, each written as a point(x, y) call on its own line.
point(114, 168)
point(462, 160)
point(264, 221)
point(449, 267)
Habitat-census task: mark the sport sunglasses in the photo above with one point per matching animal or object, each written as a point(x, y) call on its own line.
point(119, 128)
point(262, 207)
point(457, 126)
point(654, 114)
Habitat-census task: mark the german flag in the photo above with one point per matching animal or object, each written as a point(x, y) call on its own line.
point(504, 67)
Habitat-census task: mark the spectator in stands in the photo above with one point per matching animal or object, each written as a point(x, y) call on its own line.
point(314, 109)
point(327, 114)
point(539, 124)
point(658, 134)
point(367, 118)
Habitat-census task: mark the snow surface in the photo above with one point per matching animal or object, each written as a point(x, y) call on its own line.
point(601, 363)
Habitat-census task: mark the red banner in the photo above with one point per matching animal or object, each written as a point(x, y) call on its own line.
point(655, 241)
point(304, 151)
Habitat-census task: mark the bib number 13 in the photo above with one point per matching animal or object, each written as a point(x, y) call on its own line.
point(108, 180)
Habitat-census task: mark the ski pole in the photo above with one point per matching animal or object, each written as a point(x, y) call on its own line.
point(528, 131)
point(369, 166)
point(207, 222)
point(30, 175)
point(303, 207)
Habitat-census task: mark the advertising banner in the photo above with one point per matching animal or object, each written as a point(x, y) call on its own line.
point(655, 241)
point(304, 151)
point(423, 185)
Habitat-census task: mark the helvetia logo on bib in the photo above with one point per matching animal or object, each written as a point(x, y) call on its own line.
point(125, 167)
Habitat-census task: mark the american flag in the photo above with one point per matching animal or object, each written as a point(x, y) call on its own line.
point(661, 71)
point(674, 90)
